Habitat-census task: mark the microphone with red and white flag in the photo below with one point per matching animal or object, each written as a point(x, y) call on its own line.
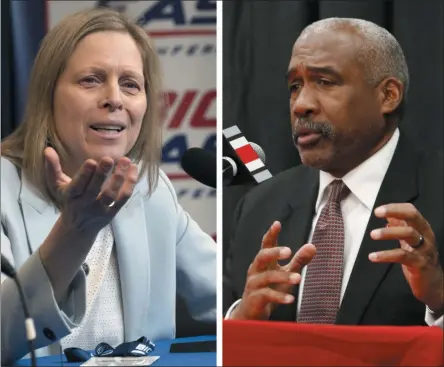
point(243, 161)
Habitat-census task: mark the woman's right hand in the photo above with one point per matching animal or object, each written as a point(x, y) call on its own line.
point(88, 200)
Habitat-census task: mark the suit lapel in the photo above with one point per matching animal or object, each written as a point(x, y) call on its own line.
point(130, 235)
point(38, 215)
point(398, 186)
point(296, 219)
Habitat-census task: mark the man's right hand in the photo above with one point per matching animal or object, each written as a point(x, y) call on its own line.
point(269, 284)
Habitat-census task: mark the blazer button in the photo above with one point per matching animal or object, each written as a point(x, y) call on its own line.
point(49, 334)
point(85, 268)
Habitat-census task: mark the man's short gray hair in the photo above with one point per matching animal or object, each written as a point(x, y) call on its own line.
point(380, 54)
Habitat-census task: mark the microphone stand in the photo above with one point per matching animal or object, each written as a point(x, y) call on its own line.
point(8, 270)
point(229, 170)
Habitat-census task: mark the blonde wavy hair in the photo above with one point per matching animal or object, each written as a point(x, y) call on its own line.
point(25, 146)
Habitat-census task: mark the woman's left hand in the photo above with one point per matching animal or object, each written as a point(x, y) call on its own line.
point(90, 199)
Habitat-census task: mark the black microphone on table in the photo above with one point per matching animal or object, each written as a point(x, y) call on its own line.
point(242, 162)
point(9, 270)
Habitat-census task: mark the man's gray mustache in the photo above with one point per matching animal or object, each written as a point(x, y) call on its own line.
point(323, 128)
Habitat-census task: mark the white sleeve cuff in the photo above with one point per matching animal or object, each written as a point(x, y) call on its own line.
point(434, 319)
point(230, 310)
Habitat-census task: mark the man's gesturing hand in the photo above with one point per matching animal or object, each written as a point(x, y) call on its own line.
point(268, 283)
point(417, 253)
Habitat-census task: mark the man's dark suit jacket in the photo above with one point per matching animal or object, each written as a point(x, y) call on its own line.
point(377, 294)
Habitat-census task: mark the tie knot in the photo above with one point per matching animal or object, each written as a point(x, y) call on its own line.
point(338, 191)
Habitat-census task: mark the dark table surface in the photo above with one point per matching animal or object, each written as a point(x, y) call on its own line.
point(162, 350)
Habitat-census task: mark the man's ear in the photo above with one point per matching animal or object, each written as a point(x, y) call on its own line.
point(391, 91)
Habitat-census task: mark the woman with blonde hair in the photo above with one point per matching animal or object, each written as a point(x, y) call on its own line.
point(89, 221)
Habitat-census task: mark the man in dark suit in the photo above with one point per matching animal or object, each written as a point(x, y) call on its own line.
point(366, 202)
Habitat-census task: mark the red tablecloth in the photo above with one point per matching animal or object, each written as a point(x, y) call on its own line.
point(247, 343)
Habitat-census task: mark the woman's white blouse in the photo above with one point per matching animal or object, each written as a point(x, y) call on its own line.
point(103, 321)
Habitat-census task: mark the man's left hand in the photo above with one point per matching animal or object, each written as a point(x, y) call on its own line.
point(418, 254)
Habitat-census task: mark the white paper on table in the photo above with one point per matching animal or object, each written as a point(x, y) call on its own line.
point(121, 361)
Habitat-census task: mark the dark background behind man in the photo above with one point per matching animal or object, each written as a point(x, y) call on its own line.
point(257, 41)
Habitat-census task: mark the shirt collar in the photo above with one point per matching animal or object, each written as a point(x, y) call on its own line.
point(364, 180)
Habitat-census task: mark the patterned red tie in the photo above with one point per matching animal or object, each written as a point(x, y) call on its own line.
point(323, 278)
